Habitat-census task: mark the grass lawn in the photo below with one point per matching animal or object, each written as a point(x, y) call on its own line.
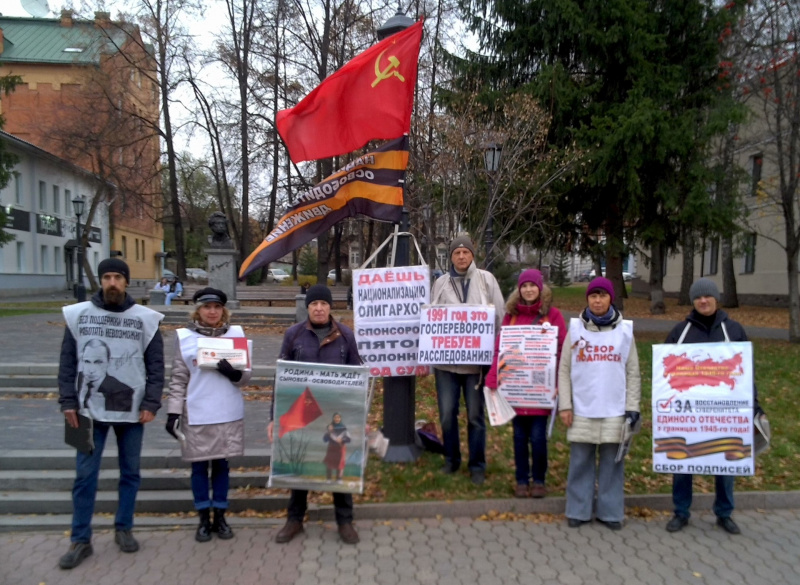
point(777, 379)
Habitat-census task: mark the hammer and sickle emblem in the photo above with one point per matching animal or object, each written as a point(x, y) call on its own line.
point(389, 71)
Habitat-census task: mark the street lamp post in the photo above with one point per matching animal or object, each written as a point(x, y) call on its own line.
point(491, 158)
point(399, 392)
point(78, 205)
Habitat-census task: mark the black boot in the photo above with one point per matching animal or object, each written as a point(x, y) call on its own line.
point(203, 533)
point(220, 526)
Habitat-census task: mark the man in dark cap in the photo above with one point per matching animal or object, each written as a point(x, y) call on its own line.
point(706, 324)
point(319, 339)
point(464, 284)
point(123, 336)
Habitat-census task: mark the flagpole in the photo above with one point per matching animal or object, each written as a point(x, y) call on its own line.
point(399, 392)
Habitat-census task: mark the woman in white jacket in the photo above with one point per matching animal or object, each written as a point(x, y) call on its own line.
point(206, 411)
point(599, 389)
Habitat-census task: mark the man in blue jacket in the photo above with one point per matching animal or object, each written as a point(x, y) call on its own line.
point(319, 339)
point(706, 324)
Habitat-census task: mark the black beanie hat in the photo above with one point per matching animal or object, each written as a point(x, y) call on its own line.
point(319, 292)
point(209, 295)
point(114, 265)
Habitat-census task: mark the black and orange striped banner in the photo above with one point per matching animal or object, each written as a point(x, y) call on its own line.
point(371, 185)
point(676, 448)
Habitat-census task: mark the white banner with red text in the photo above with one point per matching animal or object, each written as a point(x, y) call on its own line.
point(526, 365)
point(456, 334)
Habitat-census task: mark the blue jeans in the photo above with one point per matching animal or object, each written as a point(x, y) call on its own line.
point(682, 495)
point(342, 506)
point(87, 469)
point(530, 430)
point(449, 387)
point(170, 296)
point(220, 481)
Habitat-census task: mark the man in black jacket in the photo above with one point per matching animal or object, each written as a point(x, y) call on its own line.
point(118, 340)
point(706, 324)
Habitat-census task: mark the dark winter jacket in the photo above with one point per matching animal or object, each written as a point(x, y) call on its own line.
point(153, 363)
point(301, 344)
point(699, 333)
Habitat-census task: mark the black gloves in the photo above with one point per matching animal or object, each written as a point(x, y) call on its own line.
point(226, 369)
point(632, 416)
point(172, 424)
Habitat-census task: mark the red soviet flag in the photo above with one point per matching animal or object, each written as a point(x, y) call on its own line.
point(370, 98)
point(303, 411)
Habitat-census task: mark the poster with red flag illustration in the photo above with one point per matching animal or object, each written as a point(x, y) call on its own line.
point(703, 408)
point(319, 433)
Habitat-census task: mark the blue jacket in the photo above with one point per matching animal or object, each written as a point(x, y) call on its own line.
point(301, 344)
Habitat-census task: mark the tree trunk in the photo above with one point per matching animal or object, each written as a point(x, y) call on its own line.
point(687, 272)
point(615, 246)
point(729, 298)
point(656, 280)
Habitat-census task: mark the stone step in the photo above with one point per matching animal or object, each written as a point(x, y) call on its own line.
point(46, 480)
point(188, 522)
point(64, 459)
point(147, 502)
point(16, 383)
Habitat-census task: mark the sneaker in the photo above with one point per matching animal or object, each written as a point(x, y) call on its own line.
point(677, 523)
point(75, 555)
point(291, 529)
point(477, 476)
point(538, 490)
point(574, 522)
point(127, 543)
point(348, 534)
point(521, 491)
point(728, 525)
point(447, 469)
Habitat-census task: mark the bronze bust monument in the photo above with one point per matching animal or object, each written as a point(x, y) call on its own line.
point(220, 238)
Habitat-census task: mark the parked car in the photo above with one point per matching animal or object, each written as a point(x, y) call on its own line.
point(277, 275)
point(168, 274)
point(345, 276)
point(197, 275)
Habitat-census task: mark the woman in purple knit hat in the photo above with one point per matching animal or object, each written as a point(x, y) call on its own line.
point(599, 389)
point(529, 304)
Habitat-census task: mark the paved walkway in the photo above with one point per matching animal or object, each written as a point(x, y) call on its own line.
point(432, 552)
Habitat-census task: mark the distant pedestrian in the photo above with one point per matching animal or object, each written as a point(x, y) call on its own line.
point(206, 410)
point(530, 304)
point(706, 324)
point(175, 290)
point(122, 351)
point(599, 390)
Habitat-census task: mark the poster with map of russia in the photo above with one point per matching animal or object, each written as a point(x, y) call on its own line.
point(703, 408)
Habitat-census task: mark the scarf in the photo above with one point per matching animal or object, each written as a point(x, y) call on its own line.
point(602, 320)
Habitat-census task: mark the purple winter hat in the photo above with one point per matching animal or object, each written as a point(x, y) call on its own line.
point(530, 275)
point(601, 283)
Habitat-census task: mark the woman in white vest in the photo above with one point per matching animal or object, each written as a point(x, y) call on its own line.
point(599, 388)
point(206, 411)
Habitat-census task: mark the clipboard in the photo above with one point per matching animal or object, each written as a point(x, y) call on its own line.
point(82, 438)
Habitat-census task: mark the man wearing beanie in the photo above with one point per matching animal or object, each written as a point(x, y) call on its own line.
point(109, 337)
point(319, 339)
point(706, 324)
point(464, 283)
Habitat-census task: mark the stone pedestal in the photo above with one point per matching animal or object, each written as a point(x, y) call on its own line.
point(158, 297)
point(301, 312)
point(222, 273)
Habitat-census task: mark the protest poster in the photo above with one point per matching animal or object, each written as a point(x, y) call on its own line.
point(386, 307)
point(526, 365)
point(703, 408)
point(456, 334)
point(319, 436)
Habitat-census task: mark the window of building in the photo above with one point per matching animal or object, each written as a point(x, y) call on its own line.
point(713, 256)
point(355, 256)
point(757, 162)
point(749, 254)
point(136, 242)
point(143, 256)
point(18, 188)
point(44, 264)
point(67, 202)
point(56, 199)
point(20, 256)
point(57, 268)
point(124, 247)
point(96, 261)
point(42, 196)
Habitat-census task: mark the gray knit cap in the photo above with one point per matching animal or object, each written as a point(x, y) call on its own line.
point(703, 287)
point(462, 242)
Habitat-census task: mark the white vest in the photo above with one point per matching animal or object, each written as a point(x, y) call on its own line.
point(126, 336)
point(210, 397)
point(598, 369)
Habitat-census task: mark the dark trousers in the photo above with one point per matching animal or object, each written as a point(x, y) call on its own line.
point(220, 482)
point(449, 388)
point(682, 495)
point(530, 431)
point(342, 506)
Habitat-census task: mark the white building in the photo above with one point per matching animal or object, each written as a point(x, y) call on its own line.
point(38, 203)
